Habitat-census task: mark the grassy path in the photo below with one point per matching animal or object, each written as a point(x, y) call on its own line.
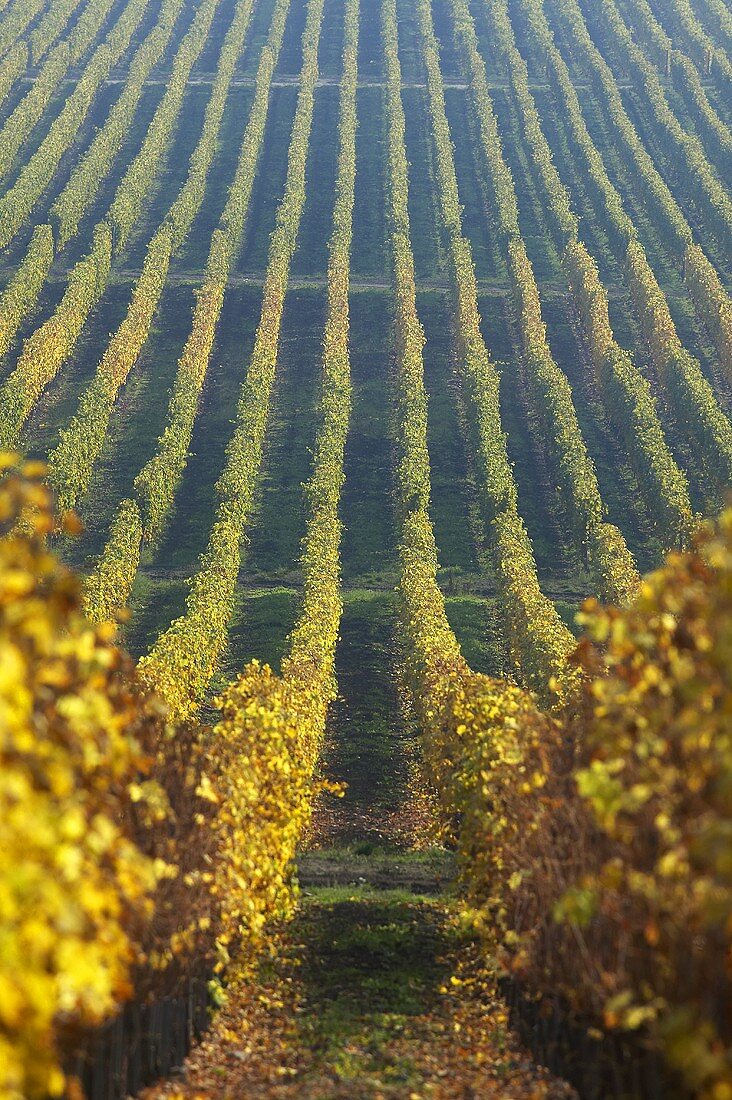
point(370, 748)
point(371, 995)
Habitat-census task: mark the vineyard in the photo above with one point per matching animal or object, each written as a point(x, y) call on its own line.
point(365, 549)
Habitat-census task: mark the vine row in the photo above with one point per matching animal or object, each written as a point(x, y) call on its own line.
point(610, 563)
point(537, 639)
point(157, 482)
point(18, 127)
point(689, 389)
point(94, 166)
point(698, 44)
point(35, 176)
point(287, 713)
point(182, 662)
point(470, 725)
point(16, 21)
point(689, 392)
point(12, 68)
point(50, 28)
point(139, 176)
point(21, 293)
point(716, 13)
point(625, 393)
point(644, 24)
point(713, 301)
point(72, 462)
point(50, 345)
point(683, 150)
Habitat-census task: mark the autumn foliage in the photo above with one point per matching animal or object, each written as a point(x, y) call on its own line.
point(600, 843)
point(657, 775)
point(135, 854)
point(76, 755)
